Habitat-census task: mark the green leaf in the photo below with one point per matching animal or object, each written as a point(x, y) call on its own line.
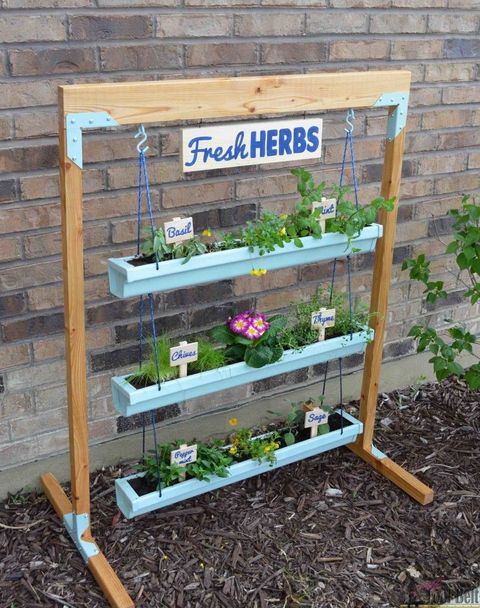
point(222, 334)
point(452, 247)
point(258, 357)
point(289, 438)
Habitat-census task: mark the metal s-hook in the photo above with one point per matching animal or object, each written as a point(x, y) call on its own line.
point(348, 120)
point(143, 134)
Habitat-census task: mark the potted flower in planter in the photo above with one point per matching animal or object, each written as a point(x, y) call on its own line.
point(277, 345)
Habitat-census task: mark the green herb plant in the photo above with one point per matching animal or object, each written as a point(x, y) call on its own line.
point(211, 460)
point(299, 332)
point(256, 353)
point(466, 248)
point(157, 246)
point(245, 446)
point(147, 375)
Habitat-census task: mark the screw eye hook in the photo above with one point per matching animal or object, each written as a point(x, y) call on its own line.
point(143, 134)
point(348, 120)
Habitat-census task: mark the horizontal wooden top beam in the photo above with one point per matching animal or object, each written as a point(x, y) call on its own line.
point(175, 100)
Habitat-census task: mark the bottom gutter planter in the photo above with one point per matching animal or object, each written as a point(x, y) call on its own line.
point(128, 400)
point(132, 504)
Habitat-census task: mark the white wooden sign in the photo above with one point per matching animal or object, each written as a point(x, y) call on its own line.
point(325, 317)
point(250, 143)
point(315, 417)
point(329, 210)
point(179, 229)
point(184, 455)
point(182, 355)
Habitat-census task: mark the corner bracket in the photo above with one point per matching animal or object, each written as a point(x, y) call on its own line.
point(77, 525)
point(75, 122)
point(398, 118)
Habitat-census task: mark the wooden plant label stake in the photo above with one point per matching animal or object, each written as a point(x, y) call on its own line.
point(182, 355)
point(314, 416)
point(329, 210)
point(178, 230)
point(183, 455)
point(321, 319)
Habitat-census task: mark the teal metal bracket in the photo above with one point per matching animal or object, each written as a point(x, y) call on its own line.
point(76, 525)
point(398, 118)
point(75, 123)
point(377, 453)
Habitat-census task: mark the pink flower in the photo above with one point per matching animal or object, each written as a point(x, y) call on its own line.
point(249, 324)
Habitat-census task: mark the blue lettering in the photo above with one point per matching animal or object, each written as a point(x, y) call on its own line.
point(272, 142)
point(257, 144)
point(173, 232)
point(326, 210)
point(312, 136)
point(196, 150)
point(183, 354)
point(316, 418)
point(299, 143)
point(284, 139)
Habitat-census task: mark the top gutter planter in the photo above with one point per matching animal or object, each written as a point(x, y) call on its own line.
point(127, 280)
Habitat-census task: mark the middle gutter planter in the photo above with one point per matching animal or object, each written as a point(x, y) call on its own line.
point(129, 401)
point(127, 280)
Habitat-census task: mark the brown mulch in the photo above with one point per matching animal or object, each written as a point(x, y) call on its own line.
point(281, 539)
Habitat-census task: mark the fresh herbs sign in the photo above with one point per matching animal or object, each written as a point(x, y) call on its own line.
point(251, 143)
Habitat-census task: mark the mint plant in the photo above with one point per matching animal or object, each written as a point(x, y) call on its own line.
point(466, 247)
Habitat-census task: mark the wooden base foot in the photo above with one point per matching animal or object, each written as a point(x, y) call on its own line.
point(394, 472)
point(98, 565)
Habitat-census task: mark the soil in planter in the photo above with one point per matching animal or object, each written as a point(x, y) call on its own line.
point(142, 486)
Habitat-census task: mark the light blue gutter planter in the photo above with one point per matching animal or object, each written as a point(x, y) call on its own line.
point(132, 505)
point(127, 280)
point(129, 401)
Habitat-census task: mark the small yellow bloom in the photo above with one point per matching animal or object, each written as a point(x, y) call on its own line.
point(165, 556)
point(207, 232)
point(283, 216)
point(258, 272)
point(267, 448)
point(283, 231)
point(232, 451)
point(202, 565)
point(277, 445)
point(233, 422)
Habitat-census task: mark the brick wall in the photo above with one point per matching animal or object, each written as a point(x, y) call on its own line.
point(45, 43)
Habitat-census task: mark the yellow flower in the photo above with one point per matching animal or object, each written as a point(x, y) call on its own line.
point(267, 448)
point(282, 231)
point(277, 445)
point(258, 272)
point(165, 556)
point(232, 450)
point(283, 216)
point(207, 232)
point(233, 422)
point(202, 565)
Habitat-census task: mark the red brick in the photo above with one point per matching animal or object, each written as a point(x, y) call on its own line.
point(194, 194)
point(417, 49)
point(25, 275)
point(50, 398)
point(46, 373)
point(294, 52)
point(48, 348)
point(13, 454)
point(49, 3)
point(25, 28)
point(28, 158)
point(33, 124)
point(441, 119)
point(111, 27)
point(47, 185)
point(141, 57)
point(160, 171)
point(194, 25)
point(345, 50)
point(16, 220)
point(462, 94)
point(268, 24)
point(14, 354)
point(398, 23)
point(41, 423)
point(39, 62)
point(8, 190)
point(449, 72)
point(15, 404)
point(6, 127)
point(39, 245)
point(26, 94)
point(220, 54)
point(449, 23)
point(272, 280)
point(461, 182)
point(266, 185)
point(10, 249)
point(446, 163)
point(349, 23)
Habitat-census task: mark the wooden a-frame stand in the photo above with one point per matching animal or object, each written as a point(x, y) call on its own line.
point(103, 105)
